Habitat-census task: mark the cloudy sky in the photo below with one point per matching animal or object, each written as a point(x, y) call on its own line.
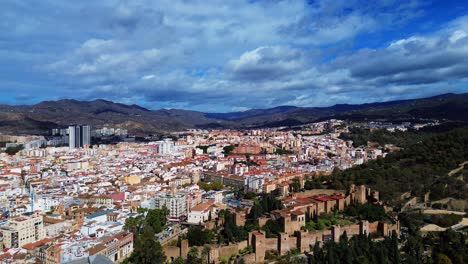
point(231, 55)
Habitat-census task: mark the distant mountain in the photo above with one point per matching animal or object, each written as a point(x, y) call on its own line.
point(39, 118)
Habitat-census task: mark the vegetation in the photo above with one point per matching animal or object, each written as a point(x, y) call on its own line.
point(360, 136)
point(147, 249)
point(444, 247)
point(228, 149)
point(193, 256)
point(369, 212)
point(157, 219)
point(324, 221)
point(448, 245)
point(291, 257)
point(13, 150)
point(232, 233)
point(295, 185)
point(266, 204)
point(179, 260)
point(272, 228)
point(199, 236)
point(246, 195)
point(3, 143)
point(204, 148)
point(315, 183)
point(210, 186)
point(445, 220)
point(419, 168)
point(358, 249)
point(280, 151)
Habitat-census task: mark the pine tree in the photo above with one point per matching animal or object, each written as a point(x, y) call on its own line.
point(147, 249)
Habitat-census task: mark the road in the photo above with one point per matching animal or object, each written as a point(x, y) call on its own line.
point(165, 236)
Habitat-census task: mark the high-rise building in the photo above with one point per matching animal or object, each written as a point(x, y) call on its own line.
point(175, 203)
point(86, 135)
point(22, 230)
point(72, 137)
point(166, 146)
point(79, 136)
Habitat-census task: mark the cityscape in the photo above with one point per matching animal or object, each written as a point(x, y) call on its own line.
point(234, 132)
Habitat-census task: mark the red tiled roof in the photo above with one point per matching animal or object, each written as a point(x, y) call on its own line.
point(337, 197)
point(323, 199)
point(33, 245)
point(5, 256)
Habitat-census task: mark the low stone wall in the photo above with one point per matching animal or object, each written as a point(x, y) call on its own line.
point(171, 252)
point(271, 244)
point(216, 251)
point(315, 192)
point(227, 251)
point(249, 258)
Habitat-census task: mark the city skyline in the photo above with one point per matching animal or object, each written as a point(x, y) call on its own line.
point(223, 56)
point(233, 131)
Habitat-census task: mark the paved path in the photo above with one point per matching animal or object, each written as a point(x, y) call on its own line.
point(433, 211)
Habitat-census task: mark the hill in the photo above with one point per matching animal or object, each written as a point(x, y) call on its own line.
point(39, 118)
point(419, 168)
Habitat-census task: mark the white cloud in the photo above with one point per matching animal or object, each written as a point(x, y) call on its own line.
point(234, 54)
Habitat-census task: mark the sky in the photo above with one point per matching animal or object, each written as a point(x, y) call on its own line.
point(231, 55)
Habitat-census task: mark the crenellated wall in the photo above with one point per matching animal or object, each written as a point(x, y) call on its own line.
point(292, 237)
point(172, 252)
point(304, 240)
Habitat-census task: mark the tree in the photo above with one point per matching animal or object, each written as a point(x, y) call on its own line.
point(13, 150)
point(420, 167)
point(179, 260)
point(208, 186)
point(318, 253)
point(231, 232)
point(442, 259)
point(198, 236)
point(133, 224)
point(228, 149)
point(295, 185)
point(394, 251)
point(157, 219)
point(272, 228)
point(205, 254)
point(147, 249)
point(368, 212)
point(280, 151)
point(192, 256)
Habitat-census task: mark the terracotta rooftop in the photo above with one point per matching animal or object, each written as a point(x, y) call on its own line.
point(31, 246)
point(202, 206)
point(297, 212)
point(324, 199)
point(96, 249)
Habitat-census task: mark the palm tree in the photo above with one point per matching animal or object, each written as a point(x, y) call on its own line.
point(205, 254)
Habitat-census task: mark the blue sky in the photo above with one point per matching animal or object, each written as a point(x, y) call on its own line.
point(231, 55)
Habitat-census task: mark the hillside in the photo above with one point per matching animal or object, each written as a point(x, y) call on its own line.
point(43, 116)
point(419, 168)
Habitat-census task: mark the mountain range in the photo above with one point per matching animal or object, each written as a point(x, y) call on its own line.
point(41, 117)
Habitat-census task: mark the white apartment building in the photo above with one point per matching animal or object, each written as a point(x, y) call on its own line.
point(22, 230)
point(166, 146)
point(176, 204)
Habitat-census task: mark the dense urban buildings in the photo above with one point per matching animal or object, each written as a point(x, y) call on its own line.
point(73, 204)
